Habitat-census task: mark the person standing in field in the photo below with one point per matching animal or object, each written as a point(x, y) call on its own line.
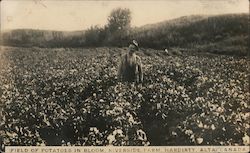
point(130, 68)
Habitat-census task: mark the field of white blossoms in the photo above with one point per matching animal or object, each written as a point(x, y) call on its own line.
point(72, 97)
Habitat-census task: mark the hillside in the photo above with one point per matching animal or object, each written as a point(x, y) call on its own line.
point(41, 38)
point(226, 34)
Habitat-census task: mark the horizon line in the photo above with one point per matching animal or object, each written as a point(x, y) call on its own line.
point(81, 30)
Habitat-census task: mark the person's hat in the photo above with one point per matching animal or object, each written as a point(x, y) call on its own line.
point(134, 45)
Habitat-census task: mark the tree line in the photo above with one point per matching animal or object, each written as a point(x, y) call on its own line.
point(188, 31)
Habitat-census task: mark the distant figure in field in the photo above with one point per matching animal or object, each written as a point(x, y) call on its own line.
point(130, 68)
point(166, 51)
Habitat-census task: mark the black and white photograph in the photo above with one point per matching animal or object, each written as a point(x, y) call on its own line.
point(117, 73)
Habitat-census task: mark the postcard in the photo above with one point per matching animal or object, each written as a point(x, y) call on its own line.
point(124, 76)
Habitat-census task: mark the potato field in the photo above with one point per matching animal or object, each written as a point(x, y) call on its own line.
point(71, 96)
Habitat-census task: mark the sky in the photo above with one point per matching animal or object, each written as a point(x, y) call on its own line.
point(71, 15)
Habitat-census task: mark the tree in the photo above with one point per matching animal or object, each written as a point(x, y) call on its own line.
point(118, 26)
point(119, 19)
point(93, 36)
